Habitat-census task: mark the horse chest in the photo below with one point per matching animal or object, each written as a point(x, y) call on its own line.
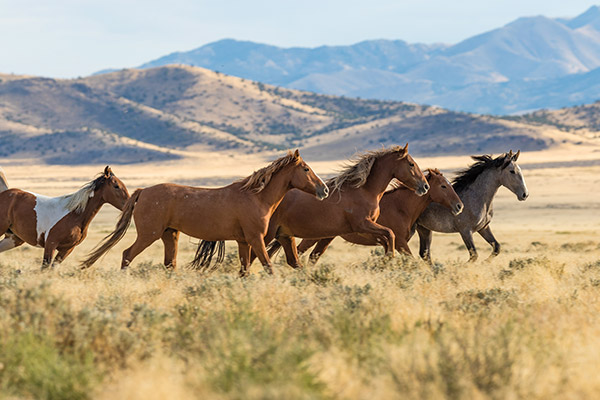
point(48, 211)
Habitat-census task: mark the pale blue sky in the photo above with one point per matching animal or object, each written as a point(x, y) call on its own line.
point(68, 38)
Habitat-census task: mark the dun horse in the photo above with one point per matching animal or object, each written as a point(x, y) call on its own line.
point(55, 223)
point(476, 186)
point(240, 211)
point(353, 205)
point(400, 209)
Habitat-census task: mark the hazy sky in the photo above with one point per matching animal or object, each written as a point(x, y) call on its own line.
point(68, 38)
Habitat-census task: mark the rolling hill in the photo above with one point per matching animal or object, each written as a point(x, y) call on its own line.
point(525, 65)
point(174, 112)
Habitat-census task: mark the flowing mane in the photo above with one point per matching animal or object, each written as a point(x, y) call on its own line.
point(356, 174)
point(256, 182)
point(466, 177)
point(78, 200)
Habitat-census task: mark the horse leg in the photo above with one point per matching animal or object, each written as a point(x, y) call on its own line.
point(49, 250)
point(291, 254)
point(487, 234)
point(257, 242)
point(306, 244)
point(61, 255)
point(402, 247)
point(10, 242)
point(384, 235)
point(140, 244)
point(170, 238)
point(467, 237)
point(244, 253)
point(425, 238)
point(319, 249)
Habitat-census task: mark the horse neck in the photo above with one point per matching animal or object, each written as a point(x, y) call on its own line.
point(276, 189)
point(91, 209)
point(410, 203)
point(484, 188)
point(379, 177)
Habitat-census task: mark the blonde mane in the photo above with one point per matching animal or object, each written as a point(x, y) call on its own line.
point(256, 182)
point(78, 201)
point(357, 173)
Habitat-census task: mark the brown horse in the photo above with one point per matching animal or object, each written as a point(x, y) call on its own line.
point(240, 211)
point(400, 209)
point(55, 223)
point(353, 205)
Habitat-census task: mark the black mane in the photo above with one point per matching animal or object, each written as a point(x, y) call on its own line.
point(484, 162)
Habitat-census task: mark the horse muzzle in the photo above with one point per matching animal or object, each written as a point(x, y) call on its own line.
point(523, 196)
point(457, 209)
point(322, 192)
point(422, 189)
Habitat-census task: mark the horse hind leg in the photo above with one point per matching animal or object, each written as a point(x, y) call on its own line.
point(319, 249)
point(487, 234)
point(170, 238)
point(291, 254)
point(467, 237)
point(61, 255)
point(140, 244)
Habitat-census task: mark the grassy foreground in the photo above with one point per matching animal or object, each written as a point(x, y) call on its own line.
point(523, 326)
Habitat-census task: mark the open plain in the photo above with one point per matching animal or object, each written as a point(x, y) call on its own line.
point(356, 325)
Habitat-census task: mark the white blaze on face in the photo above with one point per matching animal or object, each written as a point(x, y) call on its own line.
point(49, 210)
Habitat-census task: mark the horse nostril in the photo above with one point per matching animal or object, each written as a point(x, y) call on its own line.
point(426, 186)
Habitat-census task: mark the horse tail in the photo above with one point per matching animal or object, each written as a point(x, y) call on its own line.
point(3, 181)
point(204, 255)
point(273, 248)
point(113, 238)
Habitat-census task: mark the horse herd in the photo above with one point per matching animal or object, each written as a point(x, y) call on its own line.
point(381, 198)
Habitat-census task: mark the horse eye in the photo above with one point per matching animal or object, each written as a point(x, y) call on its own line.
point(444, 187)
point(116, 186)
point(411, 164)
point(306, 169)
point(512, 172)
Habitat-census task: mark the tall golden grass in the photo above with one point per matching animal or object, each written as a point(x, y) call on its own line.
point(524, 325)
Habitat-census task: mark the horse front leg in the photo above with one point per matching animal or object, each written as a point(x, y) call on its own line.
point(319, 249)
point(467, 237)
point(487, 234)
point(383, 235)
point(60, 257)
point(291, 254)
point(49, 250)
point(425, 238)
point(257, 243)
point(244, 253)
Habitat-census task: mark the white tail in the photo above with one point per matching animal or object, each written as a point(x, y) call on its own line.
point(3, 182)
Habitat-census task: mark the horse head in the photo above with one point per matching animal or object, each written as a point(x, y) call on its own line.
point(511, 176)
point(406, 170)
point(442, 192)
point(305, 179)
point(111, 189)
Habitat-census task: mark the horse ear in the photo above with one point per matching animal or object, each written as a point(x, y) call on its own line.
point(296, 154)
point(516, 156)
point(107, 171)
point(403, 151)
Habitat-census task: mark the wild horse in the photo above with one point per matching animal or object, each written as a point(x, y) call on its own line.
point(400, 208)
point(240, 211)
point(55, 223)
point(477, 185)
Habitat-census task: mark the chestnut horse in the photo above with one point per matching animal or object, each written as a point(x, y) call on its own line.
point(400, 208)
point(55, 223)
point(353, 205)
point(240, 211)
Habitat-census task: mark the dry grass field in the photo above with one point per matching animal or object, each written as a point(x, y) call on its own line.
point(355, 326)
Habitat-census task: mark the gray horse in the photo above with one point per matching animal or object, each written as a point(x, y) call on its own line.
point(476, 187)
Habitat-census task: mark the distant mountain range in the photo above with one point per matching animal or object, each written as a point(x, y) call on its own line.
point(174, 112)
point(531, 63)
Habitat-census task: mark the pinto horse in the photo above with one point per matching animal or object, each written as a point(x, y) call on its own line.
point(400, 208)
point(55, 223)
point(477, 185)
point(353, 205)
point(240, 211)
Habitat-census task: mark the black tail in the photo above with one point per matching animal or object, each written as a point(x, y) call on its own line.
point(273, 248)
point(205, 253)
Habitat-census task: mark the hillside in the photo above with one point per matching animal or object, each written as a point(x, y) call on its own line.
point(527, 64)
point(180, 111)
